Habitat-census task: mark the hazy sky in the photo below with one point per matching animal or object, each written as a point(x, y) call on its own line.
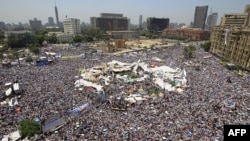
point(180, 11)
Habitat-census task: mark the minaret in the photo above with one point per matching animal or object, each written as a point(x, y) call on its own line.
point(57, 20)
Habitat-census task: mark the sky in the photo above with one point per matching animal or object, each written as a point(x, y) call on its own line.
point(178, 11)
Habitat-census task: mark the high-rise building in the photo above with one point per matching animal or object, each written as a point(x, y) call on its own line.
point(110, 22)
point(35, 24)
point(50, 21)
point(2, 25)
point(200, 16)
point(157, 24)
point(140, 22)
point(71, 26)
point(212, 20)
point(231, 39)
point(57, 19)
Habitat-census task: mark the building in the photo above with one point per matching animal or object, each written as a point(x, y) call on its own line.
point(62, 37)
point(2, 27)
point(50, 21)
point(193, 34)
point(57, 19)
point(212, 20)
point(35, 24)
point(25, 37)
point(173, 25)
point(157, 24)
point(110, 22)
point(231, 39)
point(72, 26)
point(140, 22)
point(200, 16)
point(123, 34)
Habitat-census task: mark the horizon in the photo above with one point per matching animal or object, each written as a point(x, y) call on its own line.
point(25, 10)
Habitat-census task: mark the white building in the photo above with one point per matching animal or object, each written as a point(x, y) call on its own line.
point(72, 26)
point(62, 37)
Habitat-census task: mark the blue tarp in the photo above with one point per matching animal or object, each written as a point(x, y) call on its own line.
point(42, 62)
point(52, 124)
point(77, 110)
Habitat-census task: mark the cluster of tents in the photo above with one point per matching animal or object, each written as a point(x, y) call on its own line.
point(12, 94)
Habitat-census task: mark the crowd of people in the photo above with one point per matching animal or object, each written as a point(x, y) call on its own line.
point(198, 113)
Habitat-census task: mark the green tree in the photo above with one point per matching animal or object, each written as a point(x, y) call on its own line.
point(77, 39)
point(1, 38)
point(90, 33)
point(19, 41)
point(29, 128)
point(34, 49)
point(28, 59)
point(206, 46)
point(188, 51)
point(38, 39)
point(88, 38)
point(52, 38)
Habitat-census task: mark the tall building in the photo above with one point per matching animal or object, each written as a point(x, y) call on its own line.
point(200, 16)
point(140, 22)
point(2, 26)
point(50, 21)
point(57, 19)
point(71, 26)
point(212, 20)
point(231, 39)
point(110, 22)
point(35, 24)
point(157, 24)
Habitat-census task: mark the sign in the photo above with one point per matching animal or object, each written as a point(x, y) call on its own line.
point(236, 132)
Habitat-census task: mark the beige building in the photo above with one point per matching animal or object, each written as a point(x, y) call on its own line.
point(62, 37)
point(231, 39)
point(72, 26)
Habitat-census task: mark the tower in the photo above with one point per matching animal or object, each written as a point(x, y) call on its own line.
point(200, 16)
point(140, 22)
point(57, 19)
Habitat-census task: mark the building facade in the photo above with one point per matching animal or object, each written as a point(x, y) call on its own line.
point(193, 34)
point(200, 16)
point(231, 39)
point(123, 34)
point(110, 22)
point(50, 21)
point(72, 26)
point(157, 24)
point(35, 24)
point(212, 20)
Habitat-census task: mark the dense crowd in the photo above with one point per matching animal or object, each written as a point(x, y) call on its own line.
point(198, 113)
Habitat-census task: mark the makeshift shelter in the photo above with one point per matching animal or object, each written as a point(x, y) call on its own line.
point(53, 125)
point(43, 62)
point(79, 109)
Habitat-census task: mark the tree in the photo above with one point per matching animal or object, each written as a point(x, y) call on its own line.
point(188, 51)
point(52, 38)
point(88, 38)
point(19, 41)
point(206, 46)
point(38, 39)
point(89, 34)
point(29, 128)
point(77, 39)
point(28, 59)
point(34, 49)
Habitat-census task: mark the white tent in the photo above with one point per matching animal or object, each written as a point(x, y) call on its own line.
point(87, 83)
point(16, 86)
point(13, 101)
point(8, 92)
